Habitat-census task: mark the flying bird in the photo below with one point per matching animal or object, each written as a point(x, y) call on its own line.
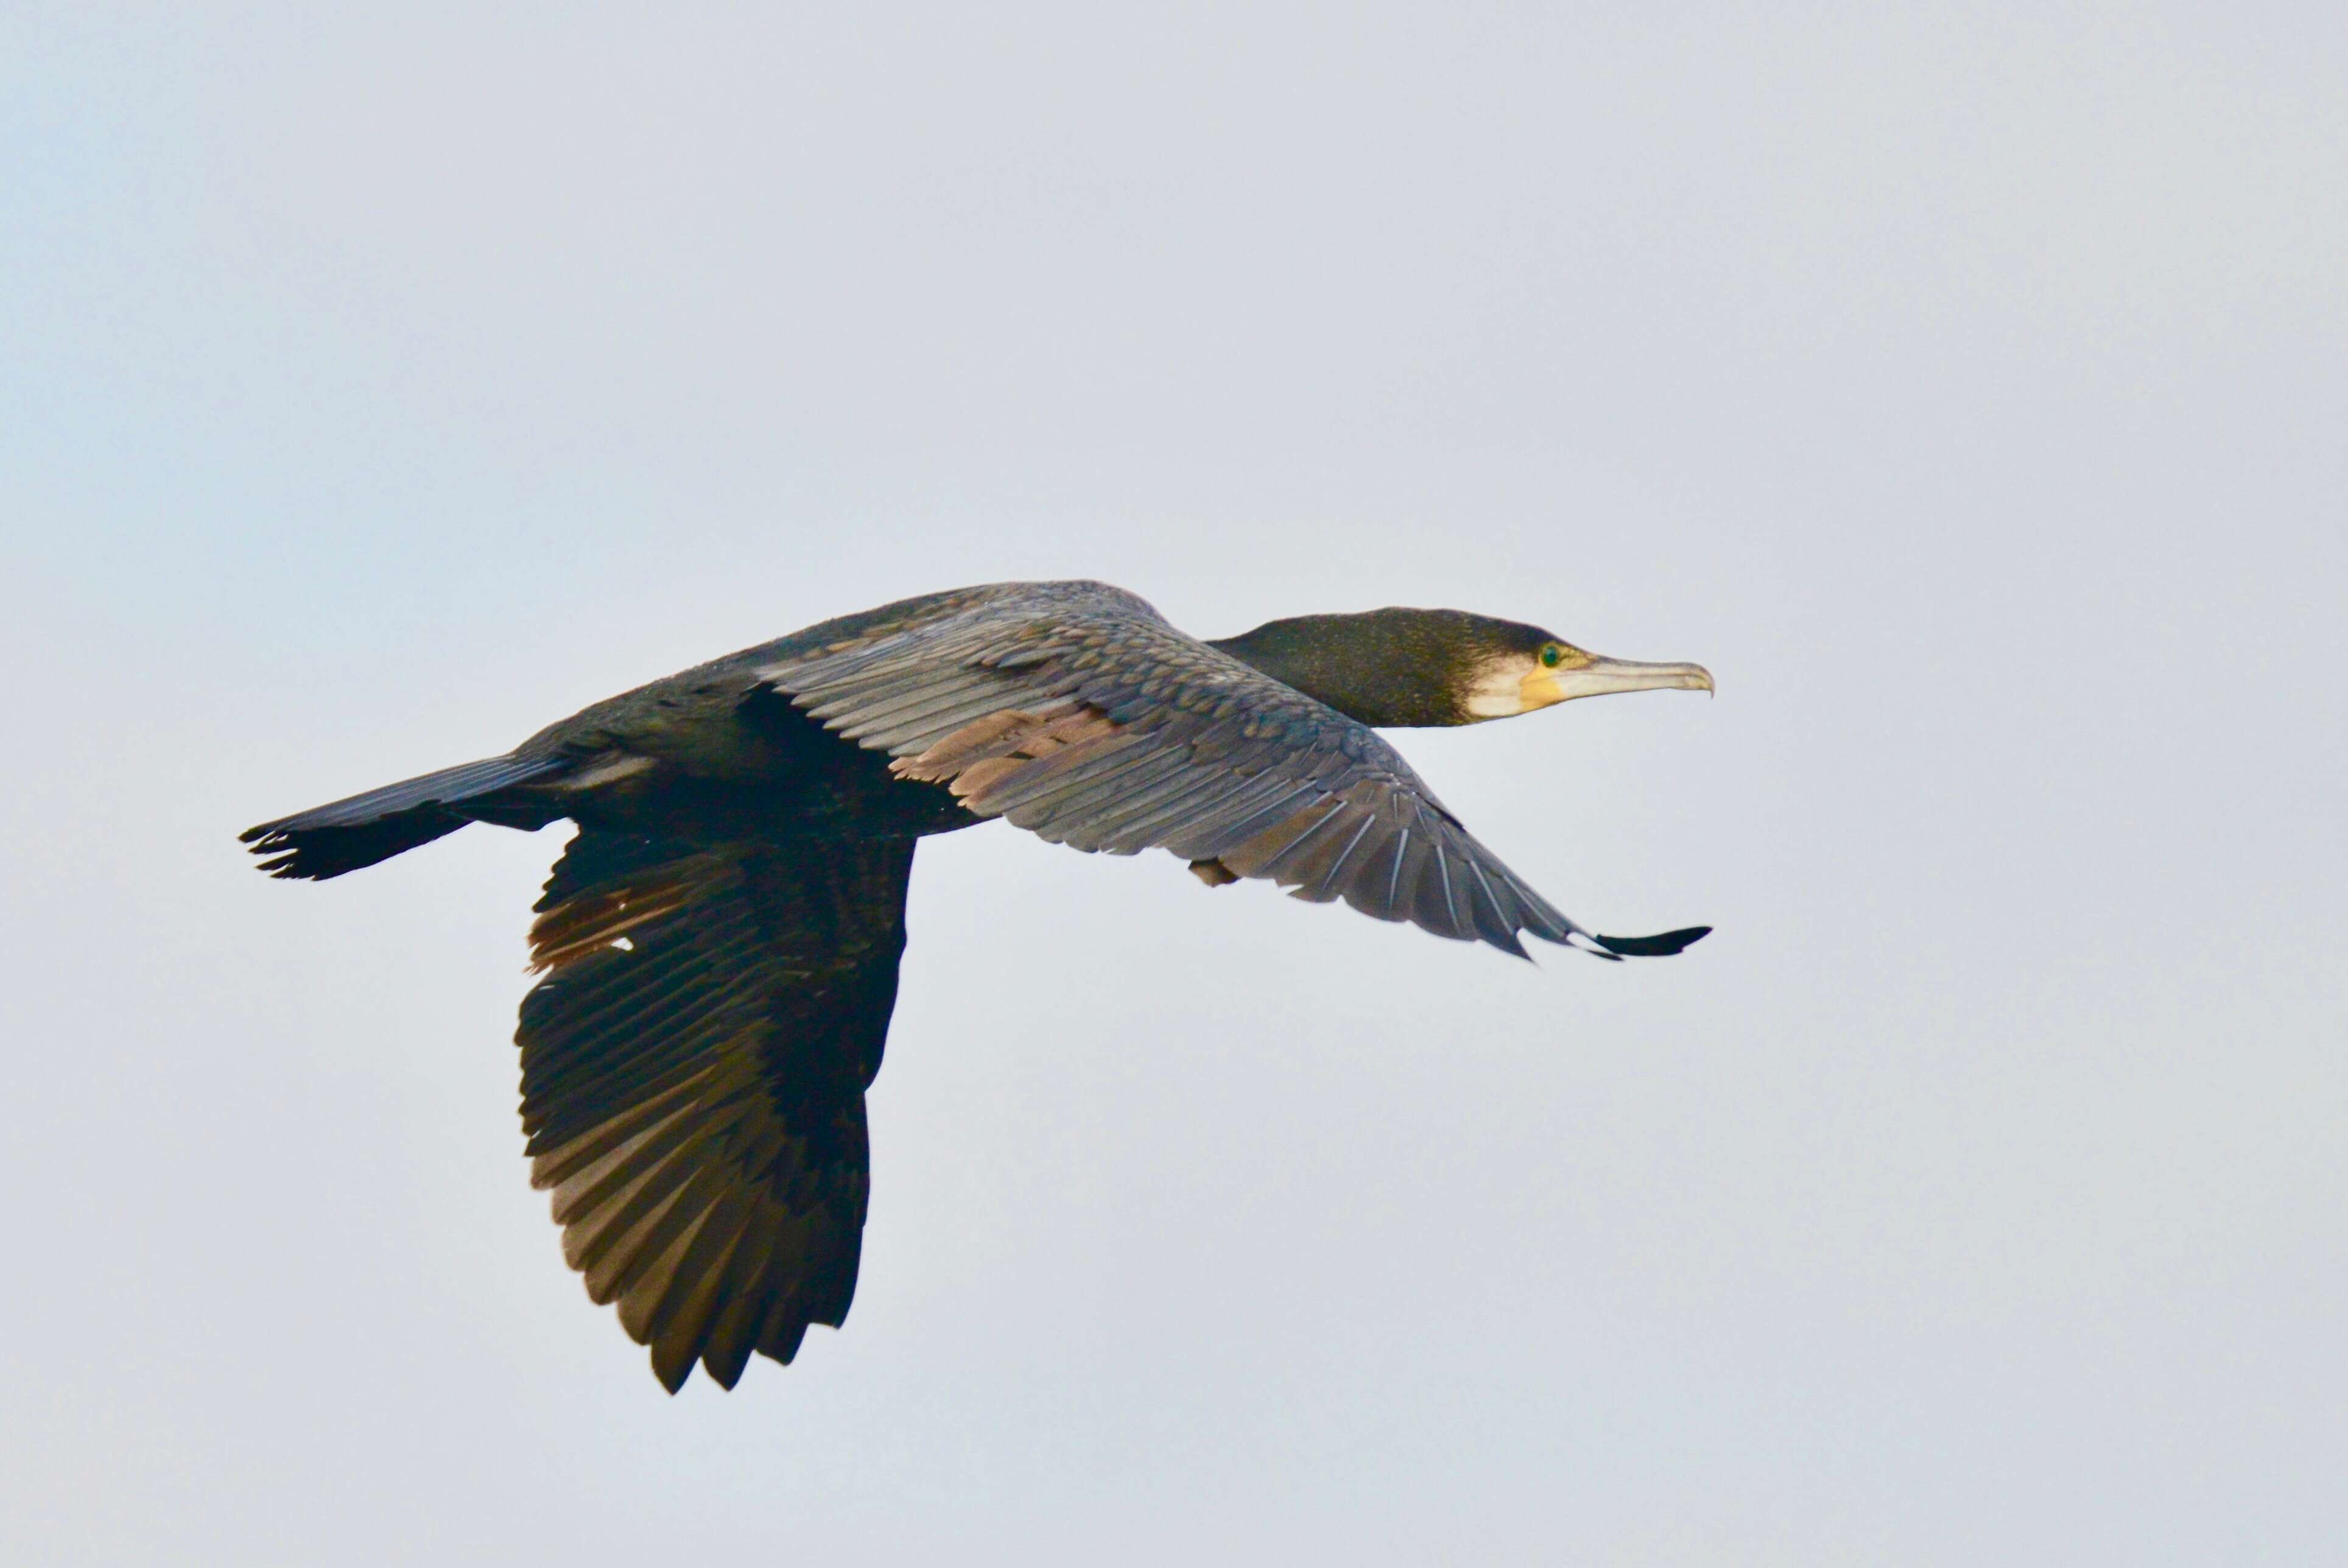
point(718, 942)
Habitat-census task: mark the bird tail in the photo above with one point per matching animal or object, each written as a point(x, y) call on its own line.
point(344, 835)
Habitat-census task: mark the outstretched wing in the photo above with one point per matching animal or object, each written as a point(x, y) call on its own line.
point(1074, 710)
point(692, 1076)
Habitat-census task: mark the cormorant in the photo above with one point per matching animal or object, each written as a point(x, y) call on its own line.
point(719, 939)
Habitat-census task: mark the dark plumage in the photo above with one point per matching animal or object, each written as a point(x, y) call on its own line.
point(1394, 670)
point(719, 942)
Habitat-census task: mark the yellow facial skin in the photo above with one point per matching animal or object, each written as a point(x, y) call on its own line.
point(1560, 671)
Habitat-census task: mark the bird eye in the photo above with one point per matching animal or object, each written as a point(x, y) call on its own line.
point(1551, 656)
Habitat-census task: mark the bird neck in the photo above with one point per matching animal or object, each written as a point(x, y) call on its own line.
point(1371, 672)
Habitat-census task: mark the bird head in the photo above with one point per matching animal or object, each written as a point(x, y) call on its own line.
point(1536, 669)
point(1402, 668)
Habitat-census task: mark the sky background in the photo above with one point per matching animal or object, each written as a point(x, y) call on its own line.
point(1966, 384)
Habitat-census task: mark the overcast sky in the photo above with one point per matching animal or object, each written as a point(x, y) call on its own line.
point(1966, 384)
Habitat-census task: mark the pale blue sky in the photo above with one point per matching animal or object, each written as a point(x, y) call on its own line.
point(1964, 384)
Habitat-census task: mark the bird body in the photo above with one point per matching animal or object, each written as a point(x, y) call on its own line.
point(719, 942)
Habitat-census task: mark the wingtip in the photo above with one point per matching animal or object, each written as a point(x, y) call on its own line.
point(672, 1376)
point(1661, 945)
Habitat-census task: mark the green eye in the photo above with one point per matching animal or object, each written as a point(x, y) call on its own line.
point(1551, 656)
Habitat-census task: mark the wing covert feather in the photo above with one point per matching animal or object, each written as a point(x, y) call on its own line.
point(1074, 711)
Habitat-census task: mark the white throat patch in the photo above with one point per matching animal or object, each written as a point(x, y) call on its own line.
point(1499, 691)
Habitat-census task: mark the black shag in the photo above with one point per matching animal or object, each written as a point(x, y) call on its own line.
point(719, 940)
